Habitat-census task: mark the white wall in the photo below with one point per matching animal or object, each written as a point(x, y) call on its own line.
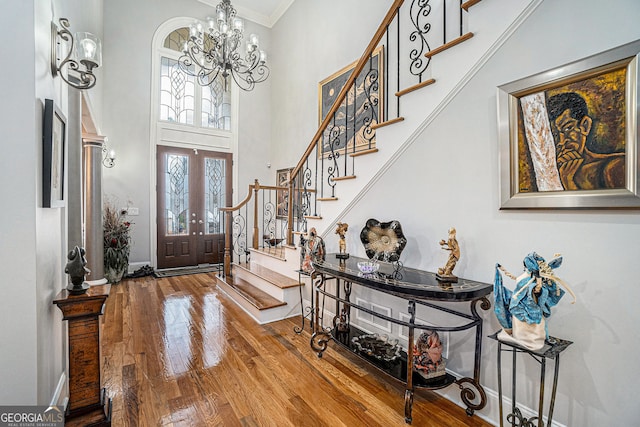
point(449, 177)
point(34, 249)
point(127, 110)
point(311, 42)
point(17, 251)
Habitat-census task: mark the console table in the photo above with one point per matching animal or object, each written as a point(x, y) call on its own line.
point(417, 287)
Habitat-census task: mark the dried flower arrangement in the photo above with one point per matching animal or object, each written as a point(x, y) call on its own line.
point(117, 242)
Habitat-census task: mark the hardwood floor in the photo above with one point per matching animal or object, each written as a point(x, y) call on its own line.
point(176, 352)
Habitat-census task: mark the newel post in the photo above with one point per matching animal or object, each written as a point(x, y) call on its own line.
point(256, 187)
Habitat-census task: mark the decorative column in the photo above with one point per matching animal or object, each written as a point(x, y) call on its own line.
point(93, 233)
point(74, 167)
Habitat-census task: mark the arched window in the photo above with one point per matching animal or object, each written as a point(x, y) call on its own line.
point(182, 100)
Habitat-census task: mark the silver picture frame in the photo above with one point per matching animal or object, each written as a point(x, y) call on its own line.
point(513, 170)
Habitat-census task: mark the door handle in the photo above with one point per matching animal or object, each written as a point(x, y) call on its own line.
point(200, 222)
point(194, 233)
point(193, 221)
point(200, 233)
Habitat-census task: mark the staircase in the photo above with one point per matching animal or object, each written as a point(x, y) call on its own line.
point(262, 292)
point(261, 272)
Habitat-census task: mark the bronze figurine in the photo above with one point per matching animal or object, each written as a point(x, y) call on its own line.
point(445, 274)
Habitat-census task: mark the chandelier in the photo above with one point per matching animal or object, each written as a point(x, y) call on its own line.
point(215, 48)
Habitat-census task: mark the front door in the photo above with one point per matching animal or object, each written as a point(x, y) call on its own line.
point(192, 184)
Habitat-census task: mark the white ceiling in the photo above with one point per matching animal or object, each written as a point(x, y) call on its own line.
point(264, 12)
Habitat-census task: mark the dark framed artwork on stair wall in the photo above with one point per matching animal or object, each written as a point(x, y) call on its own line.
point(53, 154)
point(362, 107)
point(569, 136)
point(282, 196)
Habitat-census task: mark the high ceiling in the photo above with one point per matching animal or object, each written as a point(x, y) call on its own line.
point(264, 12)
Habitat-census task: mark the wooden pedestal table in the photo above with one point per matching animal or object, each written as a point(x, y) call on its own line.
point(85, 392)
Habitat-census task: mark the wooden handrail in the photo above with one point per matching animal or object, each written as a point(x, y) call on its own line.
point(354, 74)
point(245, 201)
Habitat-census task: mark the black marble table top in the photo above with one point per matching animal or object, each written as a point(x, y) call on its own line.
point(404, 282)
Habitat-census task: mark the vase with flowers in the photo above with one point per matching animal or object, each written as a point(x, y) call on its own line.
point(117, 243)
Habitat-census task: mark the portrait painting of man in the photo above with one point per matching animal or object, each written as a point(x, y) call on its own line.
point(573, 136)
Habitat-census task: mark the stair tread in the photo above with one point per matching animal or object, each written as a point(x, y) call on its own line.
point(449, 45)
point(273, 277)
point(342, 178)
point(364, 152)
point(256, 297)
point(387, 123)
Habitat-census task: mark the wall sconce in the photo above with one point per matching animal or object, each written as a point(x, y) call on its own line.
point(109, 159)
point(87, 54)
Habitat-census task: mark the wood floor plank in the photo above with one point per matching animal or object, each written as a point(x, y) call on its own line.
point(175, 352)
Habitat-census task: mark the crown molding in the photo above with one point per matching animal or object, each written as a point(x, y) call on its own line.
point(259, 18)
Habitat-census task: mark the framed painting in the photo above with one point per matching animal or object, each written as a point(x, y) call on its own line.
point(282, 196)
point(53, 154)
point(569, 136)
point(361, 109)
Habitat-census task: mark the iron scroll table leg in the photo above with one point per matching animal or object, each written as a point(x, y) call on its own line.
point(305, 312)
point(471, 391)
point(408, 394)
point(552, 350)
point(320, 337)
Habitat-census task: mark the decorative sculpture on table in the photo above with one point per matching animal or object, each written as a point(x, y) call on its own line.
point(383, 241)
point(445, 274)
point(312, 249)
point(427, 355)
point(522, 312)
point(76, 270)
point(341, 231)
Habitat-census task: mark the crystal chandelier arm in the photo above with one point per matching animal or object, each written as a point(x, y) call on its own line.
point(215, 48)
point(247, 77)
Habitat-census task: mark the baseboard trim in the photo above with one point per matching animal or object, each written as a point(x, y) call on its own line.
point(133, 266)
point(60, 395)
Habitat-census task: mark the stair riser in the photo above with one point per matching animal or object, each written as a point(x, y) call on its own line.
point(289, 295)
point(260, 316)
point(285, 267)
point(260, 283)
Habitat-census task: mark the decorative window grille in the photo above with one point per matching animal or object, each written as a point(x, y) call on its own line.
point(182, 100)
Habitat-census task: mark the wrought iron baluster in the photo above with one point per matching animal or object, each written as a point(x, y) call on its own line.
point(269, 211)
point(346, 131)
point(334, 141)
point(319, 167)
point(386, 76)
point(460, 11)
point(398, 63)
point(419, 12)
point(370, 86)
point(444, 22)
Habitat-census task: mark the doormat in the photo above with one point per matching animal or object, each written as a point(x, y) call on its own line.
point(171, 272)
